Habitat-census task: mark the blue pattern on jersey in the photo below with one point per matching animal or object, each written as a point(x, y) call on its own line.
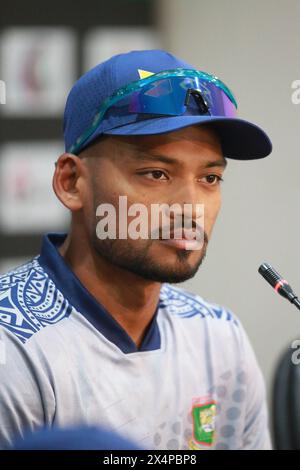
point(186, 305)
point(30, 301)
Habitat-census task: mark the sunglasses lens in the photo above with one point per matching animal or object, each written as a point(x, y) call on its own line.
point(175, 96)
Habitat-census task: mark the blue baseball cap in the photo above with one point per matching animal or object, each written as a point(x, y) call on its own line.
point(240, 139)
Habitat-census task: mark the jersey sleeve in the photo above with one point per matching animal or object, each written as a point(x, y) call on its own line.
point(22, 391)
point(256, 433)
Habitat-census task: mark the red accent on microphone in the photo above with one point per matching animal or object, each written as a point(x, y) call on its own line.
point(280, 284)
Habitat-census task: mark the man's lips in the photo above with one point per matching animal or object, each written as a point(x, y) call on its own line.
point(183, 239)
point(181, 234)
point(179, 243)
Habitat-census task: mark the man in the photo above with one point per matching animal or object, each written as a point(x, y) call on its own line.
point(93, 331)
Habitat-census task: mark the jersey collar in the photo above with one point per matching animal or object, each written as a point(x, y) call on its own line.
point(74, 291)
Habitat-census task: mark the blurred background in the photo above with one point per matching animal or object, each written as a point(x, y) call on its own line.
point(253, 47)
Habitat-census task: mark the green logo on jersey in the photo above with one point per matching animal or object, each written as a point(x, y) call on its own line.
point(204, 423)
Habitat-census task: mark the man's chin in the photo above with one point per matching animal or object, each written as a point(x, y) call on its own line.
point(172, 266)
point(175, 278)
point(173, 274)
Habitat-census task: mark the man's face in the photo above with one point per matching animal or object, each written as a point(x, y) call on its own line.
point(180, 167)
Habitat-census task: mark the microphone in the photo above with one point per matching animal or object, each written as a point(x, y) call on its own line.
point(280, 285)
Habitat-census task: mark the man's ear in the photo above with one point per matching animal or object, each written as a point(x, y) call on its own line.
point(68, 181)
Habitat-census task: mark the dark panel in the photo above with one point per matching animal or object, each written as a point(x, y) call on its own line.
point(14, 129)
point(79, 14)
point(20, 246)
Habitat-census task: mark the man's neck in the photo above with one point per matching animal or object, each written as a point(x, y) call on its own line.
point(130, 299)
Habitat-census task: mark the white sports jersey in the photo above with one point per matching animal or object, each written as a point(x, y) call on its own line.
point(194, 383)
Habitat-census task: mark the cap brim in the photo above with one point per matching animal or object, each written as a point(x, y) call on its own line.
point(240, 139)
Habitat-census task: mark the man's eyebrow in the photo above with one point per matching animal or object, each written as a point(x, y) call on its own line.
point(144, 156)
point(221, 163)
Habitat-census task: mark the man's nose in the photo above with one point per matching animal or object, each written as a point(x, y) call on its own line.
point(189, 201)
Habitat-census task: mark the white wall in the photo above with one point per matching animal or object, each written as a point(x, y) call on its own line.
point(254, 46)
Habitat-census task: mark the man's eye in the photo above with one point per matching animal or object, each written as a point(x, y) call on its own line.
point(154, 174)
point(213, 179)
